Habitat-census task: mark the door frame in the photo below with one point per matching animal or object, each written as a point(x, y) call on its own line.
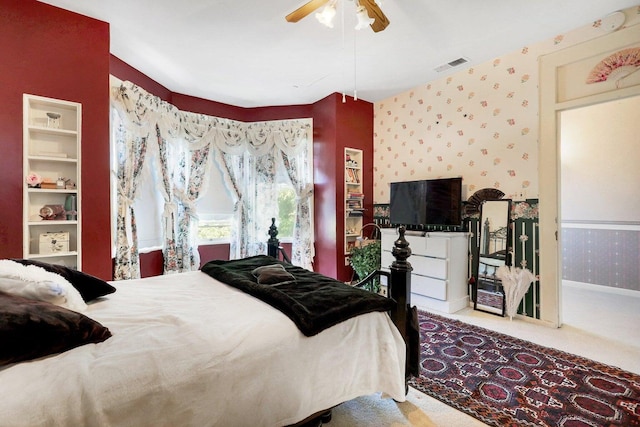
point(563, 87)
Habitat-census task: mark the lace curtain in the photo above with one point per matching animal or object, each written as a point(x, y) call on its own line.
point(131, 152)
point(185, 145)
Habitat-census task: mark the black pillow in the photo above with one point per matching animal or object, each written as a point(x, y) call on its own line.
point(256, 271)
point(30, 329)
point(90, 287)
point(272, 274)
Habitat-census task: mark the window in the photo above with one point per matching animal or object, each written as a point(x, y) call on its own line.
point(215, 210)
point(148, 207)
point(286, 215)
point(213, 214)
point(148, 204)
point(214, 228)
point(286, 211)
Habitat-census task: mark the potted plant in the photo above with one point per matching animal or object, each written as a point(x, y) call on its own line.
point(365, 258)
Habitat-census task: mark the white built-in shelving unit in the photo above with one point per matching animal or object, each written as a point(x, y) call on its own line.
point(51, 142)
point(353, 198)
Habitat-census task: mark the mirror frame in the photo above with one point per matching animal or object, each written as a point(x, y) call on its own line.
point(489, 284)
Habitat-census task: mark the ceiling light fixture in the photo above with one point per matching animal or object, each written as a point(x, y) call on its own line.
point(363, 18)
point(325, 17)
point(367, 11)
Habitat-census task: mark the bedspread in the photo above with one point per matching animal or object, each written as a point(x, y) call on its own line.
point(188, 350)
point(313, 302)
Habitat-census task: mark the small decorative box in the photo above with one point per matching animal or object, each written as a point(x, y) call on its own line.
point(52, 243)
point(49, 186)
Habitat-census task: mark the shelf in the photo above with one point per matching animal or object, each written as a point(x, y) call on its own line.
point(53, 222)
point(51, 149)
point(53, 255)
point(52, 190)
point(353, 198)
point(36, 158)
point(52, 131)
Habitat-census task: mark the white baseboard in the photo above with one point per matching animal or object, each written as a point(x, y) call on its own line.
point(601, 288)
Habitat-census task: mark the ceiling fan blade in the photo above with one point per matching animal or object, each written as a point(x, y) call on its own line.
point(373, 10)
point(305, 10)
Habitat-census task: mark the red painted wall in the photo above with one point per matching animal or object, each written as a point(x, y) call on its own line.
point(338, 125)
point(124, 71)
point(51, 52)
point(326, 179)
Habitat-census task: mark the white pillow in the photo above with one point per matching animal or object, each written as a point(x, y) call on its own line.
point(31, 281)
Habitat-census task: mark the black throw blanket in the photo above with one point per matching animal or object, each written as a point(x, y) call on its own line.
point(312, 301)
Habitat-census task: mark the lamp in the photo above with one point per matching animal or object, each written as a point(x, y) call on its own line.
point(363, 18)
point(325, 17)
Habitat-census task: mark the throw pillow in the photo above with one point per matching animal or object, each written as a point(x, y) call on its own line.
point(30, 329)
point(33, 282)
point(90, 287)
point(272, 274)
point(256, 271)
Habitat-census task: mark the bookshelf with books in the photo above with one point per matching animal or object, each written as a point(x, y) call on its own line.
point(353, 198)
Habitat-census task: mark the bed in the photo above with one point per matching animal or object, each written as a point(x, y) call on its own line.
point(189, 350)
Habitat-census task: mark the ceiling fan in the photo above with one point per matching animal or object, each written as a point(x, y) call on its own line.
point(374, 15)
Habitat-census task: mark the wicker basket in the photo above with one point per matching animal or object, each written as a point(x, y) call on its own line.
point(363, 241)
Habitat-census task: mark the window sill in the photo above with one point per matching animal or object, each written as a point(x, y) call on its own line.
point(213, 242)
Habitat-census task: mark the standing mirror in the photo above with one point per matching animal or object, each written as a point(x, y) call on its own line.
point(494, 251)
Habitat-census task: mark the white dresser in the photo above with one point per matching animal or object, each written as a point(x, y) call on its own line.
point(440, 265)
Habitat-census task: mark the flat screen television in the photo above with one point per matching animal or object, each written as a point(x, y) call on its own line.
point(417, 204)
point(407, 205)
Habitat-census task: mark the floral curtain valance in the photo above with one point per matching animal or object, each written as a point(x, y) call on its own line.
point(142, 111)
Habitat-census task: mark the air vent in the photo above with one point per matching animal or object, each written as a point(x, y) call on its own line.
point(451, 64)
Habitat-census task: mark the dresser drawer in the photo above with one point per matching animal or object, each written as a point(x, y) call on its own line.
point(386, 259)
point(431, 267)
point(389, 236)
point(433, 246)
point(437, 247)
point(418, 244)
point(429, 287)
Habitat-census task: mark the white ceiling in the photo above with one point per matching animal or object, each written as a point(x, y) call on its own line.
point(244, 53)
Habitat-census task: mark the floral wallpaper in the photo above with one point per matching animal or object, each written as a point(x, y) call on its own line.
point(480, 123)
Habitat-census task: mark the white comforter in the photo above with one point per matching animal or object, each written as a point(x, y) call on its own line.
point(187, 350)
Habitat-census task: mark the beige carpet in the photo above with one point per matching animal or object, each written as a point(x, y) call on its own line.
point(597, 325)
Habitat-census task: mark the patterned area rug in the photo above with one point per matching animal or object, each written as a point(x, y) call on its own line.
point(506, 381)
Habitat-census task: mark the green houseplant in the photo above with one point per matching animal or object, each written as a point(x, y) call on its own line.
point(366, 259)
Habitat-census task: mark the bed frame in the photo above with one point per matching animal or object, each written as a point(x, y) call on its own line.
point(403, 315)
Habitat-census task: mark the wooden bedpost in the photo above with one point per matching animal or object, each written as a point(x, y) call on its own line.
point(403, 315)
point(400, 289)
point(273, 243)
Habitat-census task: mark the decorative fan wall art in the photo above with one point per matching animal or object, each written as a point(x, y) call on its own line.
point(616, 66)
point(473, 204)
